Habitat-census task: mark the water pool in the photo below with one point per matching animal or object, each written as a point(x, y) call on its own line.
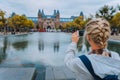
point(37, 49)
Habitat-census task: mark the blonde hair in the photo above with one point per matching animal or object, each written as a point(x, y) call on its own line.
point(99, 31)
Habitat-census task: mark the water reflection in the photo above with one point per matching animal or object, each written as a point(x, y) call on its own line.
point(37, 49)
point(3, 49)
point(56, 47)
point(20, 45)
point(41, 45)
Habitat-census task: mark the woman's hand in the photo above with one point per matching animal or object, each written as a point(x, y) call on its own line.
point(75, 37)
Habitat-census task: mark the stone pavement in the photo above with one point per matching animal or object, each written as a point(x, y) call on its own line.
point(59, 73)
point(16, 73)
point(114, 37)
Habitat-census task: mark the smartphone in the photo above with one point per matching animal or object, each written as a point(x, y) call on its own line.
point(81, 32)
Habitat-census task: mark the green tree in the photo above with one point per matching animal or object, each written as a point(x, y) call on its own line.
point(106, 12)
point(118, 7)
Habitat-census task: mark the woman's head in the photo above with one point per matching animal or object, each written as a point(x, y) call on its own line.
point(99, 31)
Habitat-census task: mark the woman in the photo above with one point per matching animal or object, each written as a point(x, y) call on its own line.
point(104, 62)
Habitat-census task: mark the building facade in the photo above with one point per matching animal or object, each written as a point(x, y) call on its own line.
point(51, 21)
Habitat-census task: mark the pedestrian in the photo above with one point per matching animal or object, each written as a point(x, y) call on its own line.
point(99, 63)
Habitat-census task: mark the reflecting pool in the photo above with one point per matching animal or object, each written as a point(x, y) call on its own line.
point(37, 49)
point(34, 49)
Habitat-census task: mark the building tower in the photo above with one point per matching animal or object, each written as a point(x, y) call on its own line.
point(57, 15)
point(40, 18)
point(57, 18)
point(81, 14)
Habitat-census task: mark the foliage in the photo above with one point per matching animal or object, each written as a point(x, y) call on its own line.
point(1, 24)
point(18, 21)
point(29, 24)
point(2, 18)
point(70, 24)
point(115, 22)
point(106, 12)
point(118, 7)
point(78, 23)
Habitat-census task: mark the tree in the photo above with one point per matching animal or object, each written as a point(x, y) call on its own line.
point(118, 7)
point(115, 23)
point(77, 24)
point(2, 19)
point(80, 22)
point(29, 24)
point(106, 12)
point(1, 24)
point(18, 22)
point(14, 22)
point(116, 20)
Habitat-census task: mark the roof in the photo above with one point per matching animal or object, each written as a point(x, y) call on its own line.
point(66, 19)
point(34, 19)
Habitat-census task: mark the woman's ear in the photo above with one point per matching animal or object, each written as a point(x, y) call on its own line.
point(89, 40)
point(88, 37)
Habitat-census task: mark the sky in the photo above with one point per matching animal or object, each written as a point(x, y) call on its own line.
point(67, 8)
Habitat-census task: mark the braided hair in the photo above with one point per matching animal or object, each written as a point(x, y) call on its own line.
point(99, 31)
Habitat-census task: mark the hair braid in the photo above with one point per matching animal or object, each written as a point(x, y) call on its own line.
point(99, 31)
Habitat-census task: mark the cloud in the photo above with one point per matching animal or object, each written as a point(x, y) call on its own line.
point(114, 3)
point(67, 8)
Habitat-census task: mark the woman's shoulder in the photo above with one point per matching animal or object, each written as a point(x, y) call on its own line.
point(104, 65)
point(115, 55)
point(98, 60)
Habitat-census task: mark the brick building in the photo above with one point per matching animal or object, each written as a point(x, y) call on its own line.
point(51, 21)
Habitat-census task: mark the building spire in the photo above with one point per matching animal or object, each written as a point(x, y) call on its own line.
point(13, 14)
point(54, 12)
point(81, 14)
point(39, 11)
point(58, 12)
point(42, 12)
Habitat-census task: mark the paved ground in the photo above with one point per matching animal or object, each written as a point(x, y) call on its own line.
point(59, 73)
point(114, 37)
point(49, 73)
point(16, 73)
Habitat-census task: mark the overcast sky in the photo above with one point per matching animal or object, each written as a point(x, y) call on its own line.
point(67, 8)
